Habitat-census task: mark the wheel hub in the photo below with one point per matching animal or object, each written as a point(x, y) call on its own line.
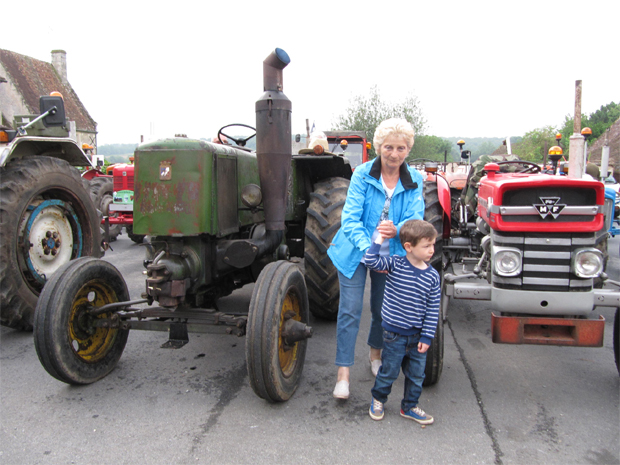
point(52, 237)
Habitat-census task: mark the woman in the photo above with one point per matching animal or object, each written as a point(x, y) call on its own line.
point(383, 194)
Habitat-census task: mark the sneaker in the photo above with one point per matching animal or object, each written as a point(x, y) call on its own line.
point(376, 409)
point(417, 414)
point(341, 391)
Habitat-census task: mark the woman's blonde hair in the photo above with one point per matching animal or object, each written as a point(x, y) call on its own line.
point(394, 127)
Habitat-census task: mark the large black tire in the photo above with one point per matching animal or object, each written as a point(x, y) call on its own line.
point(40, 195)
point(275, 372)
point(137, 238)
point(102, 194)
point(322, 223)
point(616, 341)
point(433, 213)
point(69, 347)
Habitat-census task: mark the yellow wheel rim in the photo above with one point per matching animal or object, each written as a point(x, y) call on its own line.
point(288, 358)
point(88, 342)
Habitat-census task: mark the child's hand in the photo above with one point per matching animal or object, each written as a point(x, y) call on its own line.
point(422, 347)
point(387, 229)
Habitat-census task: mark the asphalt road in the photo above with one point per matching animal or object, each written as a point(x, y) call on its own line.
point(499, 404)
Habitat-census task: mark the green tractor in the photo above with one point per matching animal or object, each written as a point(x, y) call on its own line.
point(219, 217)
point(47, 217)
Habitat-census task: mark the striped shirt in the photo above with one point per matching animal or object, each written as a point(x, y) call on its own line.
point(411, 298)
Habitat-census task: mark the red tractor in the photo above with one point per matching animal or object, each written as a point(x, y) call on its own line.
point(351, 144)
point(534, 245)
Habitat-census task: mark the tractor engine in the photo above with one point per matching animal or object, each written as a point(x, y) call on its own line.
point(187, 195)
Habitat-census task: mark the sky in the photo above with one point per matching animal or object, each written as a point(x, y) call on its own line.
point(477, 68)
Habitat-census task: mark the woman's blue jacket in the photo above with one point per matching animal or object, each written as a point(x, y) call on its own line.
point(362, 210)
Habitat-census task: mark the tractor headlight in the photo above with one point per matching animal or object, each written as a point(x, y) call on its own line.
point(587, 263)
point(507, 261)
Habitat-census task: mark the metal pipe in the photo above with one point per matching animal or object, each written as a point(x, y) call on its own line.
point(274, 145)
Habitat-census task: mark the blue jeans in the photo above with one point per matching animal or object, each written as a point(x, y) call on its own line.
point(400, 352)
point(350, 313)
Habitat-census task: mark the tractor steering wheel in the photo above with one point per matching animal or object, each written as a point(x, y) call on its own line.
point(530, 167)
point(239, 141)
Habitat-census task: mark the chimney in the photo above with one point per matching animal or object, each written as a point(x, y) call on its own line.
point(59, 61)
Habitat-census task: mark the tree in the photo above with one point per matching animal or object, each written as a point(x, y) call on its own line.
point(598, 122)
point(535, 144)
point(431, 147)
point(365, 113)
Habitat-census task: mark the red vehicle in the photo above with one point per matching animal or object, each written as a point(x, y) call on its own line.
point(534, 245)
point(121, 209)
point(352, 144)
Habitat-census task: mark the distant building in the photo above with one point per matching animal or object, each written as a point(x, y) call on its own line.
point(23, 80)
point(613, 141)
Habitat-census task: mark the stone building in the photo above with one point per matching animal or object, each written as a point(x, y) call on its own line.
point(23, 80)
point(612, 138)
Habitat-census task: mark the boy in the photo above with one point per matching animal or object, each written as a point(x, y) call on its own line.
point(410, 313)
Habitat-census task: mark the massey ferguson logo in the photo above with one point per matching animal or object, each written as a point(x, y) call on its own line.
point(549, 206)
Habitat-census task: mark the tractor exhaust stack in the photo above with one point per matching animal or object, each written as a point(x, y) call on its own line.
point(273, 140)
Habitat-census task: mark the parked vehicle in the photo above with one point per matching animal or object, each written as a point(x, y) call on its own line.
point(534, 245)
point(219, 217)
point(351, 144)
point(47, 216)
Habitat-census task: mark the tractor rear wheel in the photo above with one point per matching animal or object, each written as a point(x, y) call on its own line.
point(47, 218)
point(70, 344)
point(279, 300)
point(322, 223)
point(102, 194)
point(433, 213)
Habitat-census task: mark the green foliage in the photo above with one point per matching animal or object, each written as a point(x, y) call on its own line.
point(116, 149)
point(535, 144)
point(477, 145)
point(431, 147)
point(365, 113)
point(111, 159)
point(598, 122)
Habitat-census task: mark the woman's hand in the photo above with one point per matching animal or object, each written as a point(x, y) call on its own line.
point(387, 229)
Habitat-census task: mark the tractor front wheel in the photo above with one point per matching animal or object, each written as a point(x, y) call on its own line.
point(74, 345)
point(277, 331)
point(137, 238)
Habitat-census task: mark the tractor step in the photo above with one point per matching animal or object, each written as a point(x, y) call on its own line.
point(547, 331)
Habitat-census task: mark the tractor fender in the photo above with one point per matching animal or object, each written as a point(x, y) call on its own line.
point(443, 190)
point(55, 147)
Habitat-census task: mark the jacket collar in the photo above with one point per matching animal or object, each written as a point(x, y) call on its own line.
point(405, 175)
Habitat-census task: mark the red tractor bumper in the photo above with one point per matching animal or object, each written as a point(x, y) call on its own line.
point(547, 331)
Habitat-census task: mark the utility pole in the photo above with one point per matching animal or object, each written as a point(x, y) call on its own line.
point(576, 145)
point(605, 157)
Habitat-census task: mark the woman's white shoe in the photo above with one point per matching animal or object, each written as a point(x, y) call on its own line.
point(341, 391)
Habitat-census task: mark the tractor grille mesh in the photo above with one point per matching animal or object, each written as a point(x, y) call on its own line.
point(546, 261)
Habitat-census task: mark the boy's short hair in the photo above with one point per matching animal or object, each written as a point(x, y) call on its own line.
point(414, 230)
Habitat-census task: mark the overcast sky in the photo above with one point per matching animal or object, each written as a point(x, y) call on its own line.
point(478, 68)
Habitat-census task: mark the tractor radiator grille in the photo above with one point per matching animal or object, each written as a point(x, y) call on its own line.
point(521, 204)
point(546, 261)
point(123, 182)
